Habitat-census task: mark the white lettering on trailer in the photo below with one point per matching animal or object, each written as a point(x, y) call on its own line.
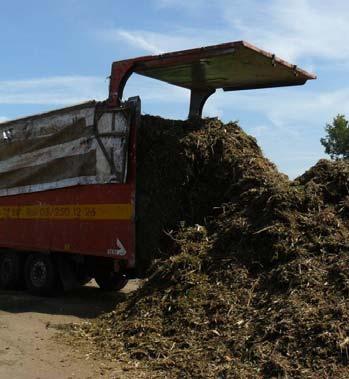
point(120, 251)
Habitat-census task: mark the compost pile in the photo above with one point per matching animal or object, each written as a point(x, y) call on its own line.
point(255, 283)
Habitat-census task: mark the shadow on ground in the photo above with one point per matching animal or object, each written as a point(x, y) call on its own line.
point(85, 302)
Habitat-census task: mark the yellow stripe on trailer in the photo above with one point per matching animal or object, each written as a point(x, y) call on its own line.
point(67, 212)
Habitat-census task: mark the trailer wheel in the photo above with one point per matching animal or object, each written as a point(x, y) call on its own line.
point(111, 281)
point(41, 275)
point(10, 271)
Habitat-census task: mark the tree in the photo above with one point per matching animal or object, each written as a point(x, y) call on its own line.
point(336, 142)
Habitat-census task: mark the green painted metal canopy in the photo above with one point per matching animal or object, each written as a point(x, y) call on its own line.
point(230, 66)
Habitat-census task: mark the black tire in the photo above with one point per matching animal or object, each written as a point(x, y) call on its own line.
point(10, 271)
point(111, 281)
point(41, 276)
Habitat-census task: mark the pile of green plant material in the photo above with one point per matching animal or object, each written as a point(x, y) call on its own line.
point(185, 171)
point(256, 284)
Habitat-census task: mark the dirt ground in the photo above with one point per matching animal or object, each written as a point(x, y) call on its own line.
point(28, 347)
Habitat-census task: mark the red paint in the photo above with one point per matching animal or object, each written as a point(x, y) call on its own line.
point(93, 237)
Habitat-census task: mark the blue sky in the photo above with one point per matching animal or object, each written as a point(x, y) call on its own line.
point(58, 53)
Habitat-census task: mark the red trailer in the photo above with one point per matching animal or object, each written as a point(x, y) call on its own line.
point(68, 177)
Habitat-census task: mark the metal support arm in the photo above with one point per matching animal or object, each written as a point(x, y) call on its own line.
point(198, 99)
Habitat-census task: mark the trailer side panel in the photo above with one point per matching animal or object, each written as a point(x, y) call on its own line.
point(82, 214)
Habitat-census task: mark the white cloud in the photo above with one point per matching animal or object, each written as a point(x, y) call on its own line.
point(156, 42)
point(295, 30)
point(137, 40)
point(288, 113)
point(288, 122)
point(58, 90)
point(281, 104)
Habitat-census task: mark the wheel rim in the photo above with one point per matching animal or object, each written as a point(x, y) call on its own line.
point(38, 274)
